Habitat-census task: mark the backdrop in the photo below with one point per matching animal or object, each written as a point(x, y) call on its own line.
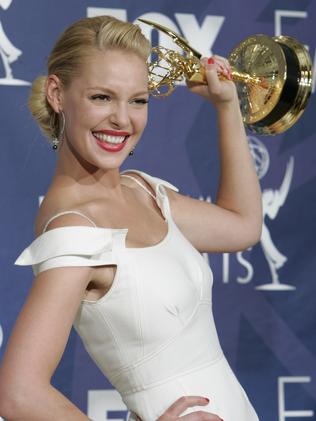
point(264, 297)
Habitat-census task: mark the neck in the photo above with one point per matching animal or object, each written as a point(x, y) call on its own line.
point(72, 171)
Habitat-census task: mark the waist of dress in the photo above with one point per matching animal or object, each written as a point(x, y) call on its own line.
point(137, 384)
point(193, 348)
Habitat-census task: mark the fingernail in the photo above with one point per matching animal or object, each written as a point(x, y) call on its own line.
point(211, 60)
point(207, 400)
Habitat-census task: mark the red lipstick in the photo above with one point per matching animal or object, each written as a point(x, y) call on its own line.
point(108, 146)
point(111, 147)
point(112, 132)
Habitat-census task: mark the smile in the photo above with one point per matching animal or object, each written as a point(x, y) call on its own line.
point(111, 141)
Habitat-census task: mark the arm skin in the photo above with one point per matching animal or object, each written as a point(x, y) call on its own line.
point(234, 222)
point(36, 346)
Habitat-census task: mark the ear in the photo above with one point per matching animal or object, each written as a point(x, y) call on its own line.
point(54, 93)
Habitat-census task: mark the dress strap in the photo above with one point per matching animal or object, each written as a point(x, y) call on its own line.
point(140, 184)
point(158, 185)
point(67, 213)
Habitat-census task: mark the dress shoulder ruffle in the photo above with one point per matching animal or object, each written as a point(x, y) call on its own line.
point(73, 246)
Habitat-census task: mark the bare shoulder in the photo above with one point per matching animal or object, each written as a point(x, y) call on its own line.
point(57, 213)
point(49, 218)
point(68, 218)
point(178, 201)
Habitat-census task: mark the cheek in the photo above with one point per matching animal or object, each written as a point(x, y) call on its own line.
point(141, 120)
point(85, 117)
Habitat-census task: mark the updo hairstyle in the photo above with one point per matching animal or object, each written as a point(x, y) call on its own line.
point(70, 52)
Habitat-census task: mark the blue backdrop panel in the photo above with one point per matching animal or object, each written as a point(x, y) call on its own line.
point(264, 297)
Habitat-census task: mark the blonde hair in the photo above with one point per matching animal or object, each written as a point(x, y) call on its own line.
point(70, 52)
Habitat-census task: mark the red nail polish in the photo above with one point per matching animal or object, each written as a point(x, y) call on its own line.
point(211, 60)
point(207, 400)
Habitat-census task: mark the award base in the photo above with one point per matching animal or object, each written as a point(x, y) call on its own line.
point(275, 287)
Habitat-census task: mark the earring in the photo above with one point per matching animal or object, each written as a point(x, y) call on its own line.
point(61, 131)
point(132, 152)
point(55, 143)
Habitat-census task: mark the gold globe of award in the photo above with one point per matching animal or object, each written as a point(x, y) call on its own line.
point(273, 76)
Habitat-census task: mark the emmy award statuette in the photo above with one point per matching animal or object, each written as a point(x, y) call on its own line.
point(273, 76)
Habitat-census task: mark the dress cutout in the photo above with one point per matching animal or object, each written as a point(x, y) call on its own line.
point(152, 334)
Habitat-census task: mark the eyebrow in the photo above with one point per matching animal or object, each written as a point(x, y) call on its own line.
point(109, 90)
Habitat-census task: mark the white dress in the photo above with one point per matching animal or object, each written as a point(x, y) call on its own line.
point(153, 334)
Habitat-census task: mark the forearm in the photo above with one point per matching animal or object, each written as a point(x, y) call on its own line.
point(41, 404)
point(239, 189)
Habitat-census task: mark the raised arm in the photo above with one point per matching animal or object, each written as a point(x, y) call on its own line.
point(234, 222)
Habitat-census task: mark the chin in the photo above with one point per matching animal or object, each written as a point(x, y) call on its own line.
point(110, 163)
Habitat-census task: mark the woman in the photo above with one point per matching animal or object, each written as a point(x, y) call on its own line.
point(140, 298)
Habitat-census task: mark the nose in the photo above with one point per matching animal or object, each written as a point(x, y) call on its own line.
point(119, 115)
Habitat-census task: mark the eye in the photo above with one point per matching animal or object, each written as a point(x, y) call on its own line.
point(140, 101)
point(101, 97)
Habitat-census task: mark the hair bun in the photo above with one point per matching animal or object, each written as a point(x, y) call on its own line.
point(40, 108)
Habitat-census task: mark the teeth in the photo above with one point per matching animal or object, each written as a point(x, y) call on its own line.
point(109, 139)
